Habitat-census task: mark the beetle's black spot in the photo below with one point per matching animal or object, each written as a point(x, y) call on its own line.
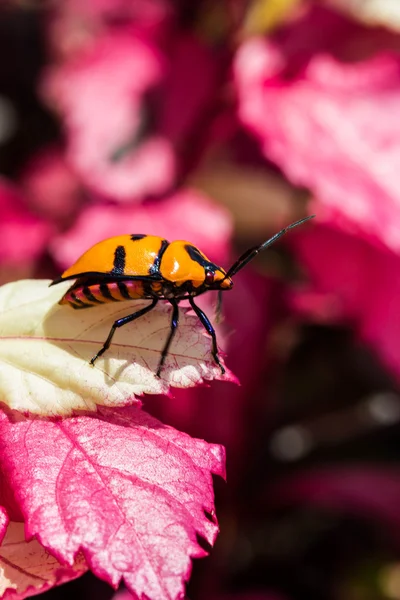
point(88, 294)
point(124, 290)
point(119, 261)
point(137, 236)
point(197, 257)
point(105, 290)
point(155, 267)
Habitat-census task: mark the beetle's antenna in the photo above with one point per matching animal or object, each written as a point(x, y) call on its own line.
point(243, 260)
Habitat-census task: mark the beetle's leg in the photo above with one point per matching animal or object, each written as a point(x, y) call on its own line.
point(120, 323)
point(210, 329)
point(174, 325)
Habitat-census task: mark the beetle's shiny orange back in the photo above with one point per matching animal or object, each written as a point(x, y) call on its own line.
point(130, 267)
point(122, 256)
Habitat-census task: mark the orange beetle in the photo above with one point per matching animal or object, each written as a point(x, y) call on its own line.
point(131, 267)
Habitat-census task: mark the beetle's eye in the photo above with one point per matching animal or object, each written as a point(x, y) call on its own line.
point(209, 277)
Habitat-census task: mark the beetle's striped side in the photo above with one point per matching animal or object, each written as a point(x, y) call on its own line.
point(86, 295)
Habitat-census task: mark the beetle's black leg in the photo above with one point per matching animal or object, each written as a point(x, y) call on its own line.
point(210, 329)
point(120, 323)
point(174, 325)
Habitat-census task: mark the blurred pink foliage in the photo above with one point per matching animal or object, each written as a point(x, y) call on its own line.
point(24, 236)
point(351, 281)
point(52, 188)
point(130, 153)
point(323, 108)
point(145, 97)
point(104, 144)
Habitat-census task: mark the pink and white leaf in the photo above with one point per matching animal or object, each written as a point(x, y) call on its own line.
point(128, 492)
point(27, 569)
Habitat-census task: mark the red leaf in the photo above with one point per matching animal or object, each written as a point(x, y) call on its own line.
point(52, 188)
point(99, 95)
point(18, 223)
point(353, 282)
point(322, 98)
point(73, 24)
point(127, 491)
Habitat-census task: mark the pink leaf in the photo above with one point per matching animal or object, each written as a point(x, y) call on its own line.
point(192, 89)
point(99, 95)
point(121, 487)
point(3, 523)
point(185, 215)
point(27, 569)
point(351, 281)
point(52, 188)
point(74, 25)
point(323, 106)
point(18, 224)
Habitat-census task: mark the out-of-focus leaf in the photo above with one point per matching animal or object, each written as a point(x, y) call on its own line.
point(354, 282)
point(186, 215)
point(27, 569)
point(23, 235)
point(45, 351)
point(100, 97)
point(372, 12)
point(73, 25)
point(325, 110)
point(370, 492)
point(121, 487)
point(51, 187)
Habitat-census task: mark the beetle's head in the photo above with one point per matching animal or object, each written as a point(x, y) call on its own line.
point(217, 279)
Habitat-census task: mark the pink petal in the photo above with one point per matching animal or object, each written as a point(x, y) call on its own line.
point(27, 569)
point(100, 96)
point(186, 215)
point(127, 491)
point(324, 107)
